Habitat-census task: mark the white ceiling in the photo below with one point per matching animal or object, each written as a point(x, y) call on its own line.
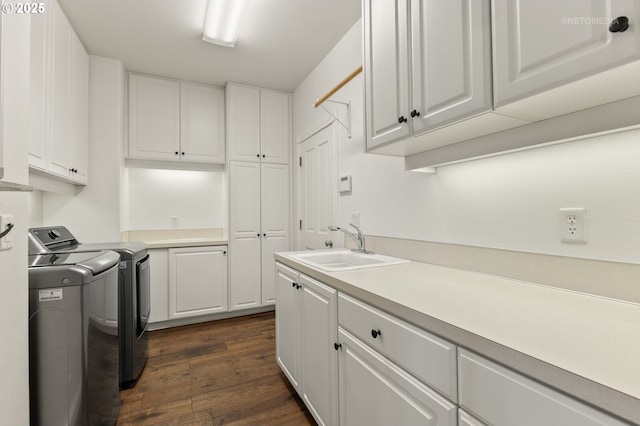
point(280, 41)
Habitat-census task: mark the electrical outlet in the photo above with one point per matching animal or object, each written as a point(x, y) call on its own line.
point(174, 221)
point(355, 218)
point(573, 225)
point(6, 242)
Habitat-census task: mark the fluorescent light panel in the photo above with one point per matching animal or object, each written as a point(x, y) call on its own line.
point(222, 22)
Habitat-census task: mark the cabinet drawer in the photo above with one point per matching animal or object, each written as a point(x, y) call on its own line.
point(501, 397)
point(426, 356)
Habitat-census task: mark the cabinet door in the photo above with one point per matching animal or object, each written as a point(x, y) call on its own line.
point(245, 235)
point(319, 359)
point(386, 71)
point(274, 182)
point(197, 281)
point(451, 61)
point(243, 122)
point(288, 324)
point(487, 388)
point(154, 118)
point(274, 126)
point(374, 391)
point(543, 44)
point(60, 146)
point(80, 112)
point(159, 273)
point(38, 90)
point(202, 124)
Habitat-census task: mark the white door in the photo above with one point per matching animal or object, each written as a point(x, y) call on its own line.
point(274, 209)
point(288, 324)
point(197, 281)
point(318, 356)
point(386, 71)
point(243, 122)
point(244, 235)
point(317, 190)
point(542, 44)
point(392, 396)
point(202, 123)
point(154, 118)
point(274, 126)
point(451, 61)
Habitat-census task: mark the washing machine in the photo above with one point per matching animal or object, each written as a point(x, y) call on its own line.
point(73, 338)
point(134, 291)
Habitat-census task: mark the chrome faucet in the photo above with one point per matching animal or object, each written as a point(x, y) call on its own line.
point(357, 238)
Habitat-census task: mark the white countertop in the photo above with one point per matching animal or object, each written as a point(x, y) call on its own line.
point(590, 336)
point(174, 238)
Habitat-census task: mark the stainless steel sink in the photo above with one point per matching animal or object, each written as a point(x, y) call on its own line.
point(345, 260)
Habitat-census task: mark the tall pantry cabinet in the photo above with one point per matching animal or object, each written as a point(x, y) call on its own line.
point(258, 139)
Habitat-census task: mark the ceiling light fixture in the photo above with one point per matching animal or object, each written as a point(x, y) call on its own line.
point(222, 22)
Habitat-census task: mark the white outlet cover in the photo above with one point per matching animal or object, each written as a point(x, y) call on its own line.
point(572, 225)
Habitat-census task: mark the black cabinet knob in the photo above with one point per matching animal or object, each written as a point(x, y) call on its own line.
point(182, 153)
point(258, 155)
point(263, 156)
point(176, 152)
point(415, 113)
point(293, 284)
point(337, 346)
point(619, 25)
point(375, 333)
point(401, 119)
point(224, 253)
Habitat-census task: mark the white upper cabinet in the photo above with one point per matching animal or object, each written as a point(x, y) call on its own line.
point(243, 122)
point(154, 118)
point(258, 124)
point(427, 64)
point(202, 123)
point(274, 126)
point(543, 45)
point(59, 148)
point(386, 70)
point(59, 90)
point(175, 121)
point(80, 111)
point(450, 80)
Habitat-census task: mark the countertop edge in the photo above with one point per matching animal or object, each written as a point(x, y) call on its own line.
point(600, 396)
point(185, 243)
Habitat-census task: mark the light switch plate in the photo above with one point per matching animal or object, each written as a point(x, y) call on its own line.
point(6, 242)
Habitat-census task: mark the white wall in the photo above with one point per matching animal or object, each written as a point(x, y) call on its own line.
point(92, 214)
point(508, 202)
point(197, 198)
point(14, 307)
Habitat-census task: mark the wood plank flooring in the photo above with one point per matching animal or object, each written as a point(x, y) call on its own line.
point(215, 373)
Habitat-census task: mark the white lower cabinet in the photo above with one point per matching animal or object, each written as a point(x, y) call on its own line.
point(466, 419)
point(353, 364)
point(306, 331)
point(159, 265)
point(375, 391)
point(502, 397)
point(197, 281)
point(187, 282)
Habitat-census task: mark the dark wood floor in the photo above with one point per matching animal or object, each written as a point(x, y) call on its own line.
point(221, 372)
